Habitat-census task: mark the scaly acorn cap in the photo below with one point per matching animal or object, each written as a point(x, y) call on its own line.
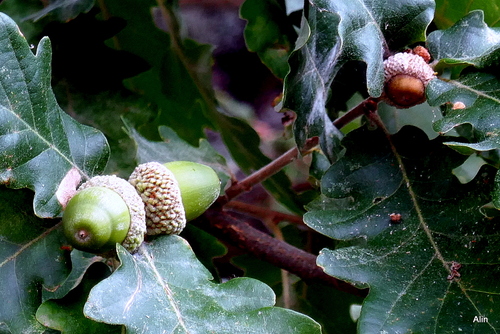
point(406, 76)
point(161, 195)
point(137, 230)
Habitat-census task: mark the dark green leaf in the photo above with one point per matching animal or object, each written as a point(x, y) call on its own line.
point(66, 315)
point(480, 94)
point(31, 260)
point(64, 10)
point(449, 12)
point(105, 112)
point(269, 33)
point(406, 263)
point(334, 33)
point(39, 143)
point(167, 83)
point(164, 287)
point(80, 262)
point(470, 41)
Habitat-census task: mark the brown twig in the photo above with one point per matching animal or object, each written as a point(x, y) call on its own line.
point(259, 212)
point(285, 277)
point(267, 171)
point(227, 227)
point(358, 111)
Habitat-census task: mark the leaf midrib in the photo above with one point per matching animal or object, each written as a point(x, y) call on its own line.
point(168, 292)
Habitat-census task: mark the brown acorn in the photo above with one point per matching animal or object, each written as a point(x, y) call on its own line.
point(406, 77)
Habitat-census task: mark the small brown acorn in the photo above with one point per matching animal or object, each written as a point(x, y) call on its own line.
point(406, 77)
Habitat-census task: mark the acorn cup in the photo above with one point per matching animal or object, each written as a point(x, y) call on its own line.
point(104, 211)
point(174, 193)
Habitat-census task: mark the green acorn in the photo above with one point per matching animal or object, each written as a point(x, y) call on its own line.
point(105, 210)
point(174, 193)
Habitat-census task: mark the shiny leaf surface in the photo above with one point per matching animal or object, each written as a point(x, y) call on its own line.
point(164, 288)
point(408, 260)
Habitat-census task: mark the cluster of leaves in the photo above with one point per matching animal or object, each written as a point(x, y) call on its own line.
point(151, 96)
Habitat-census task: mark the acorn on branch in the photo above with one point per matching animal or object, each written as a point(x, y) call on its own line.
point(104, 211)
point(174, 193)
point(406, 77)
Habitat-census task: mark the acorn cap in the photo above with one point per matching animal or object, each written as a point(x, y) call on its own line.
point(161, 195)
point(135, 234)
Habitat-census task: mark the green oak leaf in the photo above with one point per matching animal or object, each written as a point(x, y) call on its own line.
point(31, 261)
point(105, 111)
point(449, 12)
point(80, 263)
point(480, 94)
point(422, 116)
point(39, 143)
point(407, 263)
point(269, 33)
point(66, 314)
point(334, 33)
point(163, 287)
point(470, 41)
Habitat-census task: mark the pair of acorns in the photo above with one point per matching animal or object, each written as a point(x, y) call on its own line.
point(157, 199)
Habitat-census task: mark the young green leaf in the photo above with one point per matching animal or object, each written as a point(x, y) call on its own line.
point(39, 143)
point(410, 221)
point(164, 287)
point(337, 32)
